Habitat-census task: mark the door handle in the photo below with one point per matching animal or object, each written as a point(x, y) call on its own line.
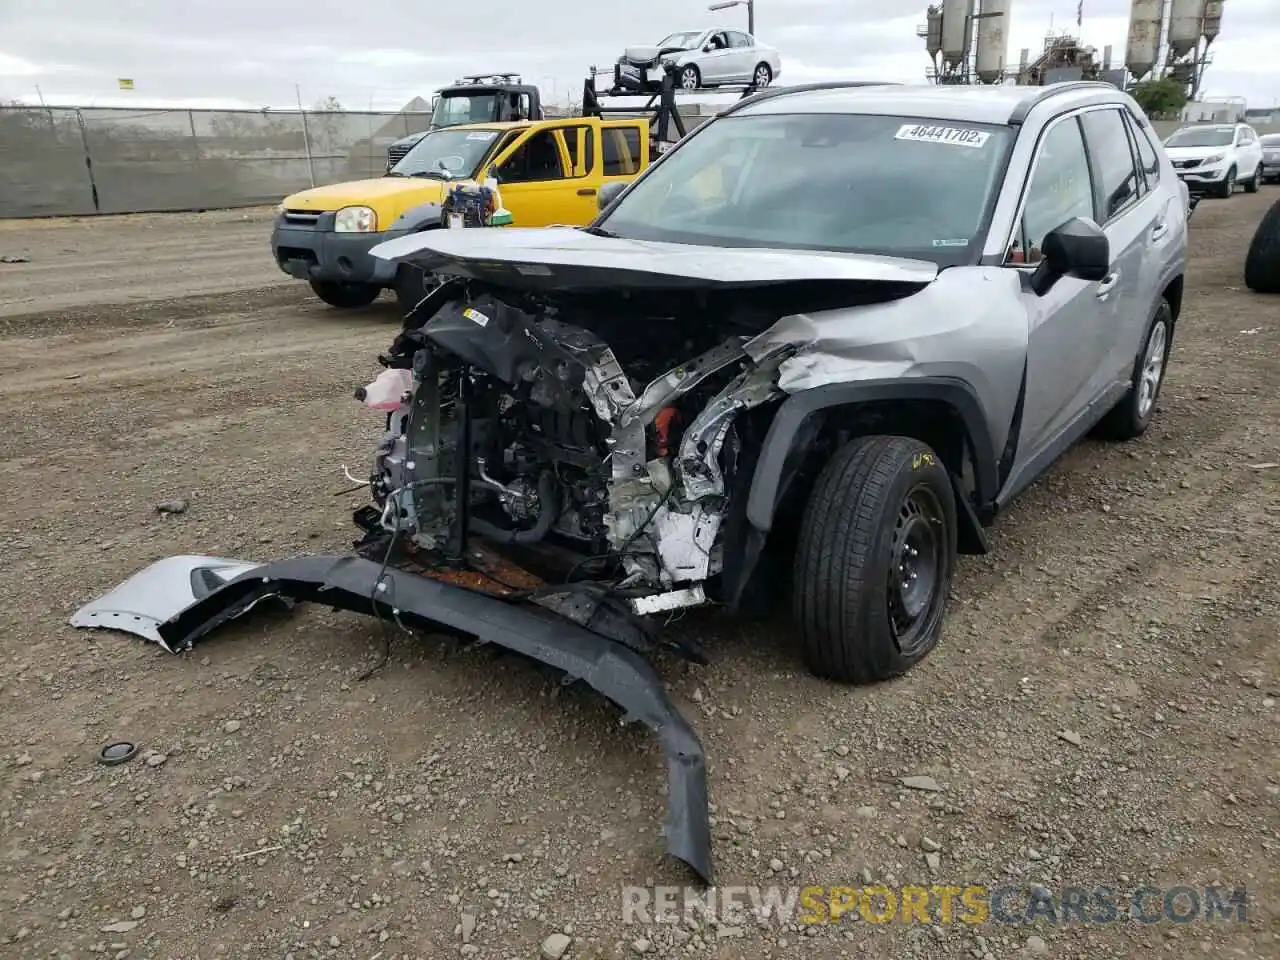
point(1107, 284)
point(1159, 230)
point(587, 192)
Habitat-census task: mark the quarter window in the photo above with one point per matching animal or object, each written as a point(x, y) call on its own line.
point(1060, 189)
point(1113, 167)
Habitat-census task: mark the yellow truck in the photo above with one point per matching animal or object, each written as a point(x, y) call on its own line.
point(548, 172)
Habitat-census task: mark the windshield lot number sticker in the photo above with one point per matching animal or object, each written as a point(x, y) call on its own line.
point(926, 133)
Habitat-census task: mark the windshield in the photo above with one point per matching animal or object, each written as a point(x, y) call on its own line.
point(1203, 137)
point(895, 186)
point(446, 154)
point(452, 109)
point(682, 40)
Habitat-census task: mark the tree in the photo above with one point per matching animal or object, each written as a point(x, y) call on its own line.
point(1160, 98)
point(328, 104)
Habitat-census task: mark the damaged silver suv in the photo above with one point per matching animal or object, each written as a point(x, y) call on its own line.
point(808, 355)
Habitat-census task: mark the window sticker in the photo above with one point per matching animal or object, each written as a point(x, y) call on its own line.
point(930, 133)
point(951, 243)
point(482, 135)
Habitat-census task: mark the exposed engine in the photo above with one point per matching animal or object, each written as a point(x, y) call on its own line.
point(619, 451)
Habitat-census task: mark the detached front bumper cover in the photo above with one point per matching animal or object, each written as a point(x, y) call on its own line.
point(177, 601)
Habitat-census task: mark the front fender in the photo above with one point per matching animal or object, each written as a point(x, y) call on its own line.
point(776, 464)
point(416, 219)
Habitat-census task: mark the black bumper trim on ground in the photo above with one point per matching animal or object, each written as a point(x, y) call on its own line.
point(620, 674)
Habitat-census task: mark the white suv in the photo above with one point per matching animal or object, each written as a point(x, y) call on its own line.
point(1213, 158)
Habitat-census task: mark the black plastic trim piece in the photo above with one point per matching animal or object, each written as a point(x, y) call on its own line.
point(622, 675)
point(767, 484)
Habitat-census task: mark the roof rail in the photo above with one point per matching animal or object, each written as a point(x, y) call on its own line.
point(770, 93)
point(1020, 112)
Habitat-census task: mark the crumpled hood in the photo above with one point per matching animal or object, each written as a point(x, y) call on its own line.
point(566, 257)
point(640, 56)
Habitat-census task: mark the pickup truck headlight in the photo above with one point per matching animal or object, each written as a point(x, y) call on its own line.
point(355, 220)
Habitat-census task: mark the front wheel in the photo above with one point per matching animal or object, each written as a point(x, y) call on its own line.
point(346, 296)
point(1228, 185)
point(876, 554)
point(690, 78)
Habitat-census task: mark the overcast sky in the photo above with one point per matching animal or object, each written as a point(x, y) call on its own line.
point(380, 53)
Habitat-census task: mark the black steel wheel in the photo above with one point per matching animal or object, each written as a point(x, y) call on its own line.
point(916, 569)
point(875, 559)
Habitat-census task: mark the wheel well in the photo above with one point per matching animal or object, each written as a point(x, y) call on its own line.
point(932, 421)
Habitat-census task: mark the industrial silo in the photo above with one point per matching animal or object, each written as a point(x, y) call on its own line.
point(1185, 19)
point(1143, 46)
point(957, 32)
point(933, 32)
point(1212, 20)
point(992, 41)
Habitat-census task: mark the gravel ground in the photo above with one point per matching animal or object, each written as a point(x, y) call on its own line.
point(1101, 711)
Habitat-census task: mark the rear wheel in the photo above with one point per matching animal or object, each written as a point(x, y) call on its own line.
point(690, 78)
point(1129, 418)
point(1262, 263)
point(344, 295)
point(763, 75)
point(876, 554)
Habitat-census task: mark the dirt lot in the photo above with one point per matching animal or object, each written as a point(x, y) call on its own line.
point(1101, 711)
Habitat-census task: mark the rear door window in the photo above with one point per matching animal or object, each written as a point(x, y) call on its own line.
point(1115, 174)
point(621, 151)
point(1148, 159)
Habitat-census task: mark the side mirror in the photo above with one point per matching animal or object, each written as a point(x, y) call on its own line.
point(1078, 248)
point(609, 193)
point(706, 47)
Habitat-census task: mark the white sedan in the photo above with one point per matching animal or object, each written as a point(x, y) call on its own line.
point(701, 58)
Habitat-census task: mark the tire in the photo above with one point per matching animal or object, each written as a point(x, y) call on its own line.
point(1262, 262)
point(345, 296)
point(1129, 418)
point(412, 284)
point(1228, 185)
point(762, 76)
point(1252, 185)
point(880, 502)
point(690, 78)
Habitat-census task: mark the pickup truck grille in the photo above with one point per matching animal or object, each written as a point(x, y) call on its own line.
point(301, 218)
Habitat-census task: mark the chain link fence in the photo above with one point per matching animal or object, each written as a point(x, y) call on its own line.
point(75, 161)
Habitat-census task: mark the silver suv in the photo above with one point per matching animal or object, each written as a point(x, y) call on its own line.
point(809, 353)
point(903, 303)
